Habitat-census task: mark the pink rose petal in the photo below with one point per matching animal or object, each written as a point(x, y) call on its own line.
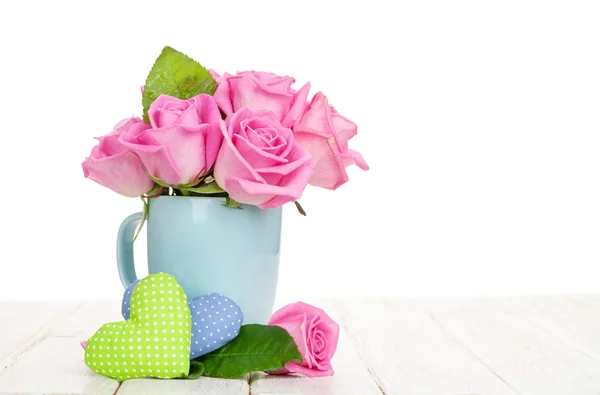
point(324, 133)
point(113, 165)
point(258, 90)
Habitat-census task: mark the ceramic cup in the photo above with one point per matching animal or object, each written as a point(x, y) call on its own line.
point(209, 248)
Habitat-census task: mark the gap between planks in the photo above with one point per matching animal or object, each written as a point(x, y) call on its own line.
point(74, 322)
point(469, 352)
point(352, 375)
point(409, 353)
point(56, 348)
point(39, 336)
point(549, 314)
point(530, 342)
point(565, 321)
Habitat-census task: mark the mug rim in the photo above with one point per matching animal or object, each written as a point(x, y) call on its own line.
point(188, 197)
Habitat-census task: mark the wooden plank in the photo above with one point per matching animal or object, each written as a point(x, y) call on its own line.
point(54, 364)
point(529, 359)
point(591, 299)
point(570, 320)
point(351, 377)
point(88, 318)
point(23, 324)
point(106, 312)
point(203, 385)
point(20, 321)
point(409, 353)
point(536, 345)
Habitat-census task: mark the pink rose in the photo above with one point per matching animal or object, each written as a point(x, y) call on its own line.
point(184, 140)
point(259, 90)
point(315, 334)
point(259, 162)
point(215, 75)
point(323, 132)
point(114, 166)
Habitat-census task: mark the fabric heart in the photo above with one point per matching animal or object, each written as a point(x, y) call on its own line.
point(153, 342)
point(216, 320)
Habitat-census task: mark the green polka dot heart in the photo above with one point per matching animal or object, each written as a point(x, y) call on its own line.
point(153, 342)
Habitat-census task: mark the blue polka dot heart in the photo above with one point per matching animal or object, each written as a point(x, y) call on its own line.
point(216, 320)
point(125, 306)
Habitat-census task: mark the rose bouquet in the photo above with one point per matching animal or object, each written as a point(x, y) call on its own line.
point(251, 139)
point(248, 137)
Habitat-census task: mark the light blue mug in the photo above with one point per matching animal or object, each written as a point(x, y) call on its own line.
point(209, 248)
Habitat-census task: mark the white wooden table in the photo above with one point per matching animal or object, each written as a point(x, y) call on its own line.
point(525, 346)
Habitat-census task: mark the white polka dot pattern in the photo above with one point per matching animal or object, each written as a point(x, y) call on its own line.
point(153, 342)
point(216, 320)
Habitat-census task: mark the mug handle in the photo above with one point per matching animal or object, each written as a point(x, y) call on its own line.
point(125, 261)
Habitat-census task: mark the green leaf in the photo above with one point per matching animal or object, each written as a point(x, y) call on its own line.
point(256, 348)
point(211, 188)
point(196, 370)
point(144, 216)
point(176, 74)
point(159, 181)
point(229, 202)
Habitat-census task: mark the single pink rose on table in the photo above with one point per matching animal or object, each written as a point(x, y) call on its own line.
point(259, 162)
point(258, 90)
point(183, 141)
point(113, 165)
point(323, 132)
point(315, 334)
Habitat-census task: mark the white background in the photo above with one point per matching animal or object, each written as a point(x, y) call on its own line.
point(480, 121)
